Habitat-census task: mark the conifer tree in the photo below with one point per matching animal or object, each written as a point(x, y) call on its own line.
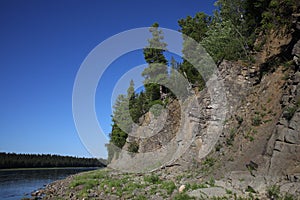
point(157, 71)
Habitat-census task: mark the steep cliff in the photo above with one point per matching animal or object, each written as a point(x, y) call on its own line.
point(245, 125)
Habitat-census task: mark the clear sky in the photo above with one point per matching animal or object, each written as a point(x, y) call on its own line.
point(42, 45)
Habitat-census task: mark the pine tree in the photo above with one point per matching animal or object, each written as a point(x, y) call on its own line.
point(195, 28)
point(130, 91)
point(156, 73)
point(121, 115)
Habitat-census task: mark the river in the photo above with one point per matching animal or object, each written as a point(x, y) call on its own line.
point(17, 184)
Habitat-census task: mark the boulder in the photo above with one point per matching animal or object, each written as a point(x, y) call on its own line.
point(292, 137)
point(208, 192)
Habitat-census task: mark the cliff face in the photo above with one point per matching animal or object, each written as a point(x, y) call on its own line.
point(247, 121)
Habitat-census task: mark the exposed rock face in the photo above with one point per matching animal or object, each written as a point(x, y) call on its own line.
point(187, 130)
point(262, 125)
point(285, 142)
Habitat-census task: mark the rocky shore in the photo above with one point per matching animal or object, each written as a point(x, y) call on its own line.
point(110, 184)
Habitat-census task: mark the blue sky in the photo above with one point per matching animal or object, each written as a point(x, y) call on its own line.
point(42, 45)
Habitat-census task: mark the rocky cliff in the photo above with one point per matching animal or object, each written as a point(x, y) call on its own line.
point(243, 129)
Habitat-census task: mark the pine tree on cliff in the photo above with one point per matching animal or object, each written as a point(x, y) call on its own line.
point(195, 28)
point(156, 73)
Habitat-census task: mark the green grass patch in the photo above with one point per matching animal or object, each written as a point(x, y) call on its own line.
point(183, 196)
point(169, 186)
point(153, 178)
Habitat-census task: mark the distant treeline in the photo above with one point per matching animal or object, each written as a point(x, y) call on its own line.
point(13, 160)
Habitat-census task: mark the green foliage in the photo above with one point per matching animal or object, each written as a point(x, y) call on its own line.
point(156, 74)
point(154, 52)
point(289, 113)
point(156, 107)
point(223, 41)
point(118, 136)
point(209, 162)
point(273, 192)
point(239, 120)
point(256, 120)
point(12, 160)
point(177, 80)
point(230, 139)
point(133, 147)
point(183, 196)
point(121, 115)
point(122, 122)
point(153, 178)
point(192, 74)
point(140, 197)
point(228, 191)
point(138, 106)
point(195, 28)
point(278, 13)
point(169, 186)
point(250, 17)
point(288, 197)
point(196, 186)
point(211, 182)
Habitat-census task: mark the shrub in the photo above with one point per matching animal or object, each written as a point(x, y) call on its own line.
point(154, 179)
point(169, 186)
point(211, 182)
point(133, 147)
point(229, 141)
point(256, 121)
point(239, 119)
point(250, 189)
point(182, 196)
point(289, 113)
point(209, 162)
point(273, 192)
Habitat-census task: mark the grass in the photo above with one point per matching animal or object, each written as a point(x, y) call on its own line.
point(229, 141)
point(211, 182)
point(250, 189)
point(140, 197)
point(182, 196)
point(169, 186)
point(207, 165)
point(273, 192)
point(131, 186)
point(250, 134)
point(209, 162)
point(290, 111)
point(228, 191)
point(195, 186)
point(256, 121)
point(153, 178)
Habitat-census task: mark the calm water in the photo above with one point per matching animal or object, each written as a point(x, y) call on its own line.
point(20, 183)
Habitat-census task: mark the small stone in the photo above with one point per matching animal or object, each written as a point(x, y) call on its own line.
point(181, 188)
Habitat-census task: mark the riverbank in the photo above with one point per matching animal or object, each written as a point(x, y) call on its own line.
point(110, 184)
point(46, 168)
point(16, 184)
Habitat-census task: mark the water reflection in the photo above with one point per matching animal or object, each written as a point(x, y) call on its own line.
point(17, 184)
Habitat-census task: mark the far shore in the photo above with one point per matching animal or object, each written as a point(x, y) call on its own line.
point(47, 168)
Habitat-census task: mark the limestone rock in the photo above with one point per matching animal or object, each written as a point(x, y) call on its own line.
point(181, 188)
point(208, 192)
